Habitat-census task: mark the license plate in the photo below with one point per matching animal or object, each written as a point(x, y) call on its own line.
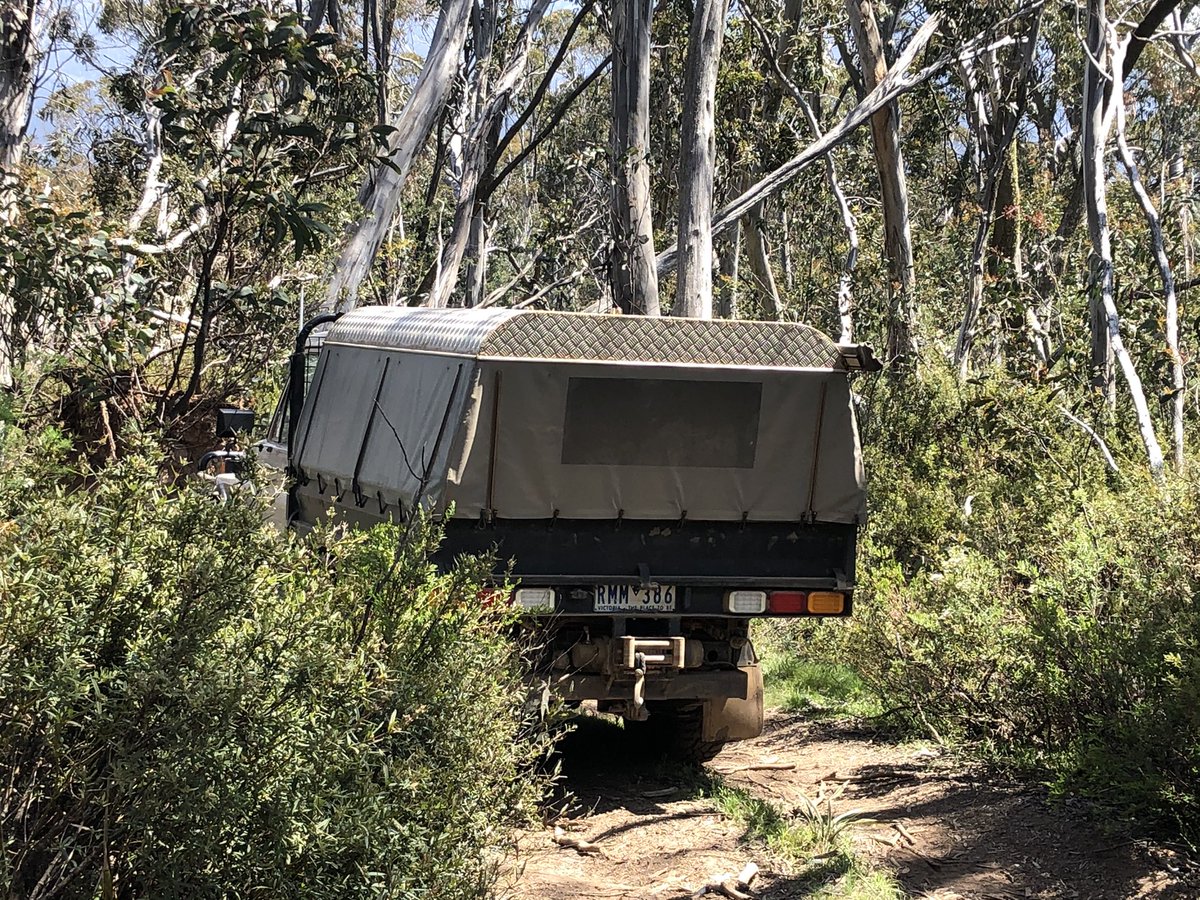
point(630, 598)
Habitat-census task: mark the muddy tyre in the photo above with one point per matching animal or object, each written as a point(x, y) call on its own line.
point(676, 731)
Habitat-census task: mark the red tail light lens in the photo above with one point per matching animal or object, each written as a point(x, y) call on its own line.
point(788, 602)
point(489, 597)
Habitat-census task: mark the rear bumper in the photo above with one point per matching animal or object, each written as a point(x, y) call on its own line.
point(704, 685)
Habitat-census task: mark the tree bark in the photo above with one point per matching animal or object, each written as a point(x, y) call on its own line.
point(729, 268)
point(758, 257)
point(1095, 138)
point(846, 278)
point(21, 26)
point(1099, 118)
point(697, 149)
point(380, 195)
point(898, 82)
point(1170, 299)
point(477, 146)
point(889, 160)
point(632, 271)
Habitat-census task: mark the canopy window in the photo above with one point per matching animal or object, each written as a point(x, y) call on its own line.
point(659, 422)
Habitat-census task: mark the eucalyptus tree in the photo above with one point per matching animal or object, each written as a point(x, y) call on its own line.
point(893, 187)
point(23, 27)
point(694, 283)
point(996, 88)
point(633, 275)
point(381, 191)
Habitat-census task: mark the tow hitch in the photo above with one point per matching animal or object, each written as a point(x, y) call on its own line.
point(638, 654)
point(661, 653)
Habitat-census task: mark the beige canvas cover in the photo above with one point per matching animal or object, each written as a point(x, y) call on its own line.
point(517, 415)
point(806, 464)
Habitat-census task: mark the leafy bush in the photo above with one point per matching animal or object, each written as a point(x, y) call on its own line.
point(193, 706)
point(1014, 593)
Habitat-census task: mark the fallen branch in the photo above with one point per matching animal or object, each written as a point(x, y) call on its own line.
point(772, 767)
point(585, 848)
point(729, 885)
point(724, 886)
point(660, 792)
point(747, 875)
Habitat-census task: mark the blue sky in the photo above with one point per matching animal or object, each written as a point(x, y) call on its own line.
point(63, 66)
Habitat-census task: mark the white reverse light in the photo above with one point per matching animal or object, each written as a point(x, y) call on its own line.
point(746, 602)
point(535, 598)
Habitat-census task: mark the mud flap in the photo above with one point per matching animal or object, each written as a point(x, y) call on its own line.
point(736, 718)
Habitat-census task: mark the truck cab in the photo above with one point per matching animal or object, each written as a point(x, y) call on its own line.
point(653, 485)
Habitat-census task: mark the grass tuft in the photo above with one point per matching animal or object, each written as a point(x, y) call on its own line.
point(819, 689)
point(813, 839)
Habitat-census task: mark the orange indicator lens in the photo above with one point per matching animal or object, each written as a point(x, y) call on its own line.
point(826, 603)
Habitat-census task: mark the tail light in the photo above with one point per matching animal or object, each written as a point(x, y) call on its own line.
point(787, 603)
point(541, 598)
point(746, 602)
point(826, 603)
point(489, 597)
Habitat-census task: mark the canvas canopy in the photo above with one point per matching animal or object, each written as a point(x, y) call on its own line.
point(508, 414)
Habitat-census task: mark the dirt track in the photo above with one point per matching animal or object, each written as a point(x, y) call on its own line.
point(945, 830)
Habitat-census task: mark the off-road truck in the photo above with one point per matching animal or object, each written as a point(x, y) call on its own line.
point(653, 485)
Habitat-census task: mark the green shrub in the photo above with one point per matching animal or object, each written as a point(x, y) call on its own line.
point(193, 706)
point(1015, 594)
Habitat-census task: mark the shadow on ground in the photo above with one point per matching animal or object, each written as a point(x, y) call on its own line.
point(948, 829)
point(658, 833)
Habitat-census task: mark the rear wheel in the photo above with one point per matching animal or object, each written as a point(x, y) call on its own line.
point(677, 730)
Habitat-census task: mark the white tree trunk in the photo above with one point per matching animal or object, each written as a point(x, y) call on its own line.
point(22, 23)
point(885, 132)
point(846, 279)
point(898, 82)
point(633, 275)
point(758, 257)
point(381, 194)
point(1100, 117)
point(1170, 300)
point(476, 146)
point(697, 149)
point(1095, 140)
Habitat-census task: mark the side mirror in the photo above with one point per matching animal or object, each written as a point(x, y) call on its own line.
point(231, 421)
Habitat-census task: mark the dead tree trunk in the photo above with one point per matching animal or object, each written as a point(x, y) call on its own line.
point(697, 149)
point(898, 81)
point(1170, 300)
point(632, 269)
point(1099, 118)
point(477, 147)
point(380, 196)
point(885, 132)
point(1094, 140)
